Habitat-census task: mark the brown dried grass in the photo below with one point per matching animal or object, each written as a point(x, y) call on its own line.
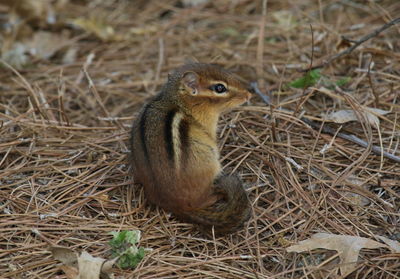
point(64, 176)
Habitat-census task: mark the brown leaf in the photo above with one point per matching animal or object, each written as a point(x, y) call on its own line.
point(83, 267)
point(64, 255)
point(70, 272)
point(108, 265)
point(45, 44)
point(343, 116)
point(347, 246)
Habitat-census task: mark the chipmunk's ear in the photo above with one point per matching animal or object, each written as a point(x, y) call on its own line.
point(191, 81)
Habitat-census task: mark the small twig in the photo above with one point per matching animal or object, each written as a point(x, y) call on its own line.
point(357, 43)
point(254, 87)
point(312, 48)
point(371, 84)
point(344, 38)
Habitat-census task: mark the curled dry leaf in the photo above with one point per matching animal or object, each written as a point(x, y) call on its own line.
point(343, 116)
point(84, 266)
point(348, 247)
point(64, 255)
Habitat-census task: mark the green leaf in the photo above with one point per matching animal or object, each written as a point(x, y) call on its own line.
point(118, 239)
point(132, 237)
point(123, 245)
point(230, 31)
point(309, 79)
point(343, 81)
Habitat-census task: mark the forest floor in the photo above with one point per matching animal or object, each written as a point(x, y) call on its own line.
point(75, 73)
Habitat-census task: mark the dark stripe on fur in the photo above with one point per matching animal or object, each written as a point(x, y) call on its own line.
point(142, 131)
point(169, 143)
point(184, 138)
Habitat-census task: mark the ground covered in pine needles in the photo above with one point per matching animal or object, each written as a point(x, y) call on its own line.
point(75, 73)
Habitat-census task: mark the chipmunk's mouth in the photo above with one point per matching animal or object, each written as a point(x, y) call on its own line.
point(246, 98)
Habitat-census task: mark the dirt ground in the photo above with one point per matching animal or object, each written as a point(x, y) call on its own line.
point(75, 73)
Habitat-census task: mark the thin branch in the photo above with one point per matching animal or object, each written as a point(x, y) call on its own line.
point(256, 89)
point(357, 43)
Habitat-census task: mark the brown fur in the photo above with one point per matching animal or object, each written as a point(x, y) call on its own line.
point(190, 183)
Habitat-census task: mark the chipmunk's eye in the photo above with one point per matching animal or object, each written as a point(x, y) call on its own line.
point(219, 88)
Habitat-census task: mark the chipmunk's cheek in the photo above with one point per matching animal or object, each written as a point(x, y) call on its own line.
point(243, 100)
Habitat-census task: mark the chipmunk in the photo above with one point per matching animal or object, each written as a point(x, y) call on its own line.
point(175, 154)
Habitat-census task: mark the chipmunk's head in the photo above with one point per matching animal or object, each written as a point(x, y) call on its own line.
point(210, 87)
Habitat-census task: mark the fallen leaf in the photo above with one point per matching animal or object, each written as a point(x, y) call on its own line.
point(69, 259)
point(45, 44)
point(347, 246)
point(108, 265)
point(96, 26)
point(89, 266)
point(343, 116)
point(64, 255)
point(393, 244)
point(84, 266)
point(70, 272)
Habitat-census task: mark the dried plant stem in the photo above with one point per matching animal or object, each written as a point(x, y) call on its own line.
point(260, 44)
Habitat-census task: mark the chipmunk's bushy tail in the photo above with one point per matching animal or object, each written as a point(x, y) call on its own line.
point(229, 213)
